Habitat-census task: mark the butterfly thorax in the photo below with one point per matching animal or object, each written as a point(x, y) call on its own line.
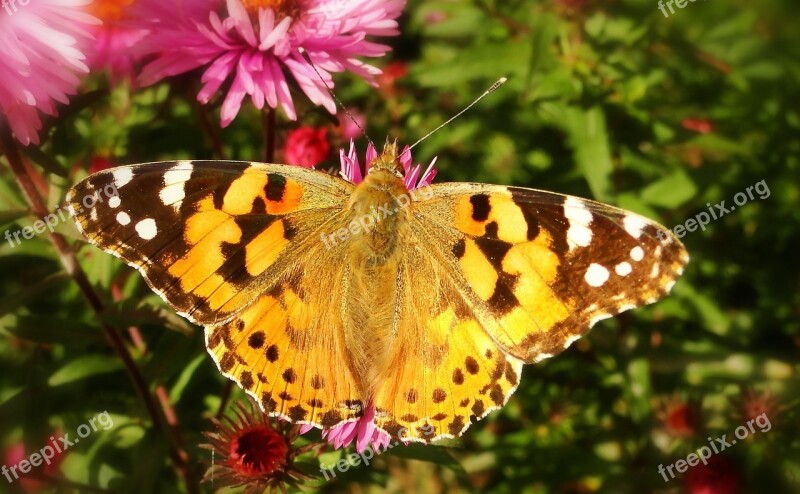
point(377, 205)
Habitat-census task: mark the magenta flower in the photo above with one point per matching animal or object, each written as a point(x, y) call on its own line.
point(114, 40)
point(253, 47)
point(42, 51)
point(351, 167)
point(306, 146)
point(363, 431)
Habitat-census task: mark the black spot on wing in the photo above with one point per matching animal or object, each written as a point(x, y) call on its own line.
point(493, 249)
point(275, 188)
point(528, 211)
point(480, 207)
point(503, 299)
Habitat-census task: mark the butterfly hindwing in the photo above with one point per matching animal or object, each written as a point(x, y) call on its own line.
point(443, 371)
point(287, 349)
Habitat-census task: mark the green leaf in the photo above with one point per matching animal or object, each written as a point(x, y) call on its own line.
point(183, 379)
point(431, 454)
point(671, 191)
point(49, 330)
point(83, 367)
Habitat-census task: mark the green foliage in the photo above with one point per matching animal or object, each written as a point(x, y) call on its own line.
point(609, 100)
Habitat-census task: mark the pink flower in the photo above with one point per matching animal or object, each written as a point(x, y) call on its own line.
point(363, 431)
point(306, 146)
point(114, 41)
point(351, 167)
point(16, 453)
point(348, 128)
point(42, 49)
point(699, 125)
point(255, 46)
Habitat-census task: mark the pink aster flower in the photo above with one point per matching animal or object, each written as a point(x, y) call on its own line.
point(351, 167)
point(42, 51)
point(253, 47)
point(114, 41)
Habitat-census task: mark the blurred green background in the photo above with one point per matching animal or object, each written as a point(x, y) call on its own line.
point(606, 99)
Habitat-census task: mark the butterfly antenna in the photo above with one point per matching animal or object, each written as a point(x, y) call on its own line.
point(494, 86)
point(330, 91)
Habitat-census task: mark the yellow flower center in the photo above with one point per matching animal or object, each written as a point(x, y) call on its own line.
point(282, 8)
point(108, 10)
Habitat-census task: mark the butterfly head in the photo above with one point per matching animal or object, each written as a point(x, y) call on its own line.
point(389, 160)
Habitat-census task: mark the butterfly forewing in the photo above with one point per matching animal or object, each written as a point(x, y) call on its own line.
point(543, 268)
point(209, 237)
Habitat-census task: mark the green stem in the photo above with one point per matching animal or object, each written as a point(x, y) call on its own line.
point(70, 263)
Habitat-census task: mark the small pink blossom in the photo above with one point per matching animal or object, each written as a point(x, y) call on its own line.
point(351, 167)
point(306, 146)
point(254, 48)
point(363, 431)
point(43, 49)
point(350, 128)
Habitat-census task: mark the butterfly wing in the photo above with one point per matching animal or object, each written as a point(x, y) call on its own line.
point(235, 246)
point(443, 367)
point(543, 268)
point(520, 274)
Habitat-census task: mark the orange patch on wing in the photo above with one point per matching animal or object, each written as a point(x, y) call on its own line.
point(511, 224)
point(464, 221)
point(292, 195)
point(265, 248)
point(281, 195)
point(243, 192)
point(206, 231)
point(478, 271)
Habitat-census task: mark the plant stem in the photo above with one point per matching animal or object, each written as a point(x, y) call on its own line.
point(269, 135)
point(70, 263)
point(208, 128)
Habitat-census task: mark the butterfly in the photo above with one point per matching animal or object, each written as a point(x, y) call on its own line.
point(322, 298)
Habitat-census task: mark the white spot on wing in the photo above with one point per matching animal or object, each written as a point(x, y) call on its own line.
point(596, 275)
point(122, 176)
point(633, 225)
point(123, 218)
point(572, 339)
point(655, 271)
point(598, 318)
point(579, 233)
point(623, 269)
point(174, 181)
point(114, 201)
point(637, 253)
point(146, 229)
